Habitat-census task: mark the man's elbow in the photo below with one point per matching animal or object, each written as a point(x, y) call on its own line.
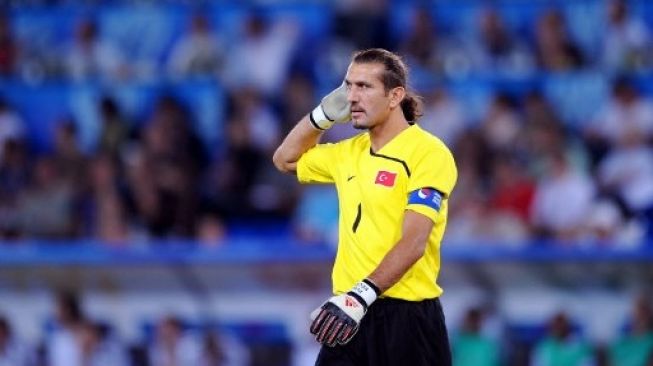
point(283, 164)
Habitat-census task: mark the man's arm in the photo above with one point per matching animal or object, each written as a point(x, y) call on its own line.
point(301, 138)
point(408, 250)
point(337, 320)
point(334, 108)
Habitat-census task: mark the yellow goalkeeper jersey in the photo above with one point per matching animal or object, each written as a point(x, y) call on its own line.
point(414, 171)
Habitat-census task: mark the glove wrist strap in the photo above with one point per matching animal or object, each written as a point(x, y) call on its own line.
point(319, 120)
point(366, 291)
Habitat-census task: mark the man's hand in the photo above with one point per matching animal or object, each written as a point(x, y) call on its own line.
point(338, 319)
point(333, 108)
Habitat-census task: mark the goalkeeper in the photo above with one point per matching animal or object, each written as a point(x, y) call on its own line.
point(393, 182)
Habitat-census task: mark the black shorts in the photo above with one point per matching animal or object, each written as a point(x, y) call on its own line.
point(395, 333)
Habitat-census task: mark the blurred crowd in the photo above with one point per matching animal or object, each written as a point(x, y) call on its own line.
point(525, 172)
point(561, 341)
point(71, 337)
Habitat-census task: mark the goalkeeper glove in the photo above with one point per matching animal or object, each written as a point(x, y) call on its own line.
point(338, 319)
point(333, 108)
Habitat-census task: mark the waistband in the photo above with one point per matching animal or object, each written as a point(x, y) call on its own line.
point(391, 301)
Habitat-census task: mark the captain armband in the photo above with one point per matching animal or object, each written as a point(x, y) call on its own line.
point(426, 196)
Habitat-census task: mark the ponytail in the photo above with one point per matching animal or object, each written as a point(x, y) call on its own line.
point(411, 105)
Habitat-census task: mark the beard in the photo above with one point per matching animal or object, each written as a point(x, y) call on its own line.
point(359, 126)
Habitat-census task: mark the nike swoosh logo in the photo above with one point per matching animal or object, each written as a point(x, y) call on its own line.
point(350, 177)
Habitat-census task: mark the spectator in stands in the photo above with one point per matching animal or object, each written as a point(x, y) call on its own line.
point(511, 194)
point(173, 345)
point(496, 50)
point(627, 40)
point(420, 45)
point(62, 345)
point(232, 176)
point(158, 196)
point(626, 173)
point(71, 163)
point(221, 349)
point(163, 170)
point(443, 116)
point(261, 58)
point(496, 215)
point(502, 124)
point(543, 134)
point(14, 172)
point(145, 201)
point(210, 230)
point(298, 96)
point(470, 347)
point(46, 207)
point(93, 58)
point(272, 195)
point(12, 126)
point(13, 351)
point(556, 51)
point(245, 184)
point(200, 52)
point(429, 50)
point(14, 178)
point(468, 207)
point(542, 131)
point(115, 129)
point(563, 197)
point(97, 348)
point(538, 111)
point(213, 353)
point(263, 124)
point(626, 112)
point(8, 47)
point(104, 207)
point(498, 194)
point(364, 23)
point(608, 224)
point(636, 347)
point(562, 346)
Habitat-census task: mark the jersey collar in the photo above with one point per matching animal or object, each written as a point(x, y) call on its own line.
point(397, 140)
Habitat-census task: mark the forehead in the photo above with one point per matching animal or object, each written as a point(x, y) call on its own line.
point(369, 72)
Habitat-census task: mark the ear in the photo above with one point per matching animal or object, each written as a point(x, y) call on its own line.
point(396, 96)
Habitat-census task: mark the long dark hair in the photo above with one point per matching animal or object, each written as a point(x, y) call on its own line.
point(395, 75)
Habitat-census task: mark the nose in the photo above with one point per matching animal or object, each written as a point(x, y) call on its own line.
point(352, 95)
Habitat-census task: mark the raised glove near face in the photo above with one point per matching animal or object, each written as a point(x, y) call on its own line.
point(334, 108)
point(338, 319)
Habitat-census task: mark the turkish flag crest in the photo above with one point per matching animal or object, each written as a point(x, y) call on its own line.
point(385, 178)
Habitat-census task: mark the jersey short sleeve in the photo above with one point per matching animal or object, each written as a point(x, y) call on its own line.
point(318, 164)
point(436, 170)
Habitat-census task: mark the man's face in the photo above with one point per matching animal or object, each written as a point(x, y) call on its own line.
point(370, 104)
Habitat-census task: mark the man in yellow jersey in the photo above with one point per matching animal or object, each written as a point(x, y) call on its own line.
point(393, 182)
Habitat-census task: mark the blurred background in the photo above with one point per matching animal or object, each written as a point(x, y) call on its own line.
point(142, 222)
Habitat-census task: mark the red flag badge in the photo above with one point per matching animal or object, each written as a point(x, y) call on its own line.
point(385, 178)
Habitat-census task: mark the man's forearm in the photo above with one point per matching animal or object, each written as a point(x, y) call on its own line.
point(301, 138)
point(395, 264)
point(408, 250)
